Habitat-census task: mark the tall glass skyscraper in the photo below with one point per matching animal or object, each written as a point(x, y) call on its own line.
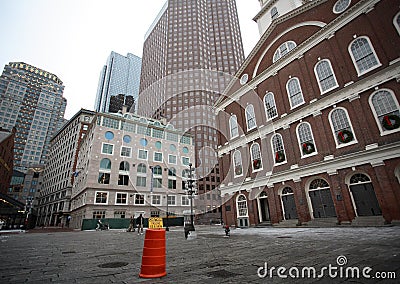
point(31, 99)
point(119, 83)
point(190, 54)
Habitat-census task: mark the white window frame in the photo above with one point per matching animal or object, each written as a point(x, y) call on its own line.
point(102, 145)
point(396, 25)
point(233, 120)
point(338, 144)
point(144, 199)
point(237, 164)
point(246, 112)
point(334, 9)
point(359, 73)
point(274, 150)
point(147, 154)
point(169, 159)
point(158, 196)
point(100, 191)
point(319, 79)
point(278, 55)
point(265, 106)
point(378, 122)
point(289, 95)
point(171, 196)
point(252, 157)
point(238, 209)
point(130, 152)
point(116, 197)
point(185, 201)
point(300, 143)
point(184, 157)
point(121, 173)
point(157, 153)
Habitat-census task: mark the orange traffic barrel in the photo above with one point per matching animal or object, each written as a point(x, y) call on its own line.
point(153, 258)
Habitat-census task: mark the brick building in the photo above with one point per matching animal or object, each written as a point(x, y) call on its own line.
point(311, 130)
point(6, 158)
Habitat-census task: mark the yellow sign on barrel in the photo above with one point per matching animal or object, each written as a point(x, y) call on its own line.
point(155, 223)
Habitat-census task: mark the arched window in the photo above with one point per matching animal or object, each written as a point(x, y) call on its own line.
point(250, 117)
point(124, 166)
point(287, 191)
point(283, 49)
point(241, 205)
point(105, 164)
point(306, 139)
point(233, 126)
point(363, 55)
point(172, 172)
point(325, 76)
point(319, 184)
point(141, 168)
point(274, 13)
point(270, 107)
point(278, 149)
point(255, 153)
point(157, 170)
point(105, 171)
point(386, 110)
point(294, 92)
point(237, 163)
point(396, 22)
point(341, 126)
point(185, 173)
point(359, 178)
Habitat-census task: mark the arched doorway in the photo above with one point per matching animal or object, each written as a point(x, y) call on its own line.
point(263, 207)
point(288, 204)
point(363, 195)
point(321, 199)
point(242, 212)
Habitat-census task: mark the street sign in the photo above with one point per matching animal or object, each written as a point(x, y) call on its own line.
point(155, 223)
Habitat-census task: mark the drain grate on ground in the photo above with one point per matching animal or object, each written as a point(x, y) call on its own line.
point(222, 273)
point(113, 264)
point(284, 237)
point(67, 252)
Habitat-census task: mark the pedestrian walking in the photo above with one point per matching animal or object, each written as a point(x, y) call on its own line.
point(131, 225)
point(139, 222)
point(68, 220)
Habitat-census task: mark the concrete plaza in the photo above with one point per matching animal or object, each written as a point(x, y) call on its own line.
point(247, 256)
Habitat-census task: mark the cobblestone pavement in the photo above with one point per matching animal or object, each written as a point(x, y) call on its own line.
point(115, 256)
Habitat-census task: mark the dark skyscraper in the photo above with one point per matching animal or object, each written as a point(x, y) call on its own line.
point(118, 83)
point(191, 52)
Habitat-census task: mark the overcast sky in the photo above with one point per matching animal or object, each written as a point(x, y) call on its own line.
point(73, 38)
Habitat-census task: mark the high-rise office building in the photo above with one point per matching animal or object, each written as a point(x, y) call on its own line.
point(190, 53)
point(31, 100)
point(119, 83)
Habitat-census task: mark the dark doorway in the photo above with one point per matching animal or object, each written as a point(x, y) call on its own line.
point(365, 200)
point(322, 203)
point(289, 207)
point(264, 209)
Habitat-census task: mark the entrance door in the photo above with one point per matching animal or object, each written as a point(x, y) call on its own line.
point(289, 207)
point(322, 203)
point(365, 200)
point(264, 209)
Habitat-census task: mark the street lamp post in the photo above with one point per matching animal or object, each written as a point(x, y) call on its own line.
point(167, 225)
point(190, 191)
